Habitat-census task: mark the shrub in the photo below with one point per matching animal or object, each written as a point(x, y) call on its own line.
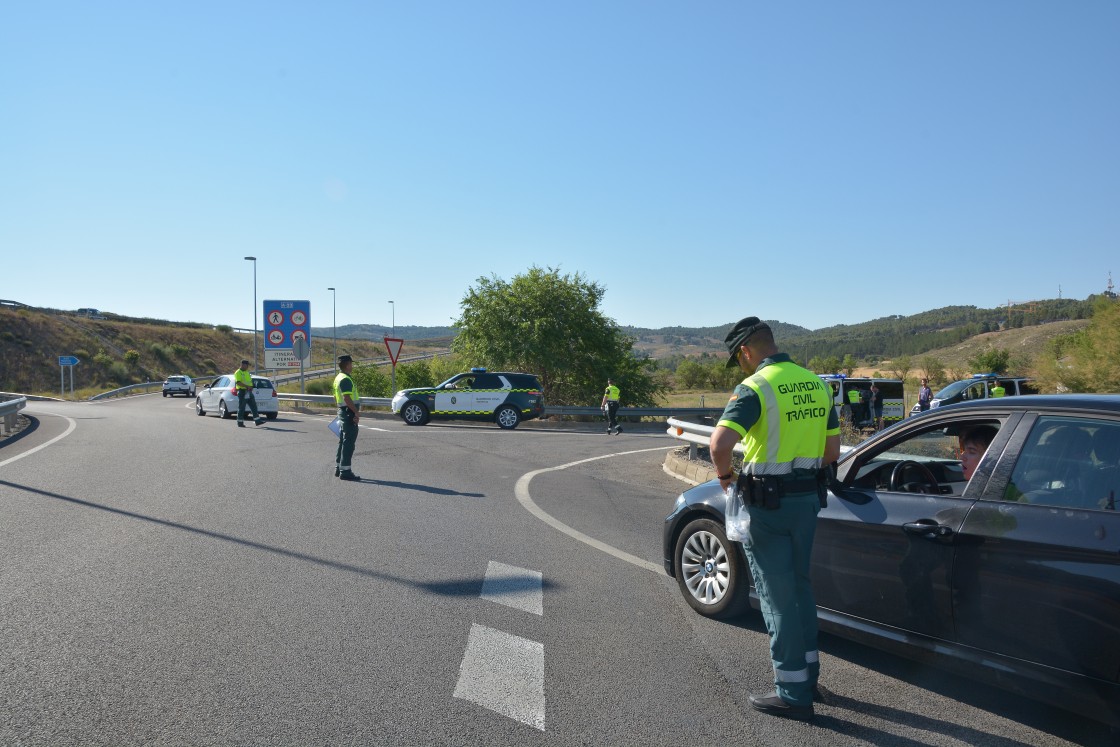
point(225, 328)
point(323, 386)
point(119, 373)
point(371, 381)
point(210, 365)
point(103, 359)
point(180, 350)
point(132, 357)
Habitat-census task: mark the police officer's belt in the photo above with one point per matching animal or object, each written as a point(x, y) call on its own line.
point(786, 485)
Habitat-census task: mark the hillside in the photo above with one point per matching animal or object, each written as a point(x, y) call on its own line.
point(31, 341)
point(118, 350)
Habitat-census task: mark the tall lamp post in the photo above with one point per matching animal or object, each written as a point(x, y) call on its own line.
point(393, 306)
point(334, 321)
point(254, 261)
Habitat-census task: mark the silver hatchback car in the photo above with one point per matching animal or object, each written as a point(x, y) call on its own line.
point(218, 398)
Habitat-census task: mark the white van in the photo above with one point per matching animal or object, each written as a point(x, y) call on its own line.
point(890, 392)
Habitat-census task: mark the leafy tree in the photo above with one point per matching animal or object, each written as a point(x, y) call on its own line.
point(848, 365)
point(691, 375)
point(991, 361)
point(131, 358)
point(549, 324)
point(444, 367)
point(932, 368)
point(901, 367)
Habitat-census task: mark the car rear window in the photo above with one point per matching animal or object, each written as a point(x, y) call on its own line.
point(262, 384)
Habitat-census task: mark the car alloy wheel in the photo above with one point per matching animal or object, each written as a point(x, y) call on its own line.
point(414, 413)
point(507, 417)
point(711, 571)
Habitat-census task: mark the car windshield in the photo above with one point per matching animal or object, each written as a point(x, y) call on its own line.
point(955, 388)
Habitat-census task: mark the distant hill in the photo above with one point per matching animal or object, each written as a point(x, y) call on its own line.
point(32, 339)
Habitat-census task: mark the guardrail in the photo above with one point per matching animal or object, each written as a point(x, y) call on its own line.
point(9, 409)
point(146, 386)
point(698, 435)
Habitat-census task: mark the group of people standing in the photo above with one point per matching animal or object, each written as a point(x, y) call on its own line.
point(866, 405)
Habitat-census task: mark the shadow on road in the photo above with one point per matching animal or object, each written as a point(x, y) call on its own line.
point(460, 587)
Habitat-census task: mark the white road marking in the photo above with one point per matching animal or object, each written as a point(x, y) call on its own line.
point(504, 673)
point(514, 587)
point(59, 437)
point(526, 500)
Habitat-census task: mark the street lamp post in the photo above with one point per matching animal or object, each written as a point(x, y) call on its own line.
point(334, 321)
point(254, 261)
point(393, 306)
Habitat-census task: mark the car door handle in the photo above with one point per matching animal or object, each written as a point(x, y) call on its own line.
point(927, 528)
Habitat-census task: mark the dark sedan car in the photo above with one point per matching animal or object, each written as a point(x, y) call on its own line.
point(1012, 576)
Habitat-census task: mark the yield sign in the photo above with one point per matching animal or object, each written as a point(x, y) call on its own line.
point(393, 344)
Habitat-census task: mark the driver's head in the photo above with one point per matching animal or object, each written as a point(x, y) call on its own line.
point(974, 443)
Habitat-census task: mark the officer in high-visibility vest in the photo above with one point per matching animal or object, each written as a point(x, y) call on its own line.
point(610, 407)
point(854, 404)
point(784, 416)
point(243, 386)
point(997, 389)
point(349, 402)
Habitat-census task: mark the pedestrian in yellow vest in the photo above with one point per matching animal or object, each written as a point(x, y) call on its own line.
point(243, 387)
point(610, 407)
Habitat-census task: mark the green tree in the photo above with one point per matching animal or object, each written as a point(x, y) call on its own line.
point(901, 367)
point(992, 360)
point(131, 358)
point(932, 368)
point(690, 375)
point(848, 365)
point(550, 325)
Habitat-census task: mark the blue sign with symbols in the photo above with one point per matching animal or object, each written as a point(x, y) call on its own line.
point(67, 360)
point(285, 322)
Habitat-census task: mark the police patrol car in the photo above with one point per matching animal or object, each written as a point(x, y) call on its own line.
point(978, 387)
point(504, 398)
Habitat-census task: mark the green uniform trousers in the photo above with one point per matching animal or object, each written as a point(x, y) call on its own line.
point(347, 437)
point(778, 546)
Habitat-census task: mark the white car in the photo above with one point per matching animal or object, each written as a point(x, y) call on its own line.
point(178, 385)
point(218, 398)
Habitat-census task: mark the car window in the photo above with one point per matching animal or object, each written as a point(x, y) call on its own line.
point(1025, 387)
point(932, 452)
point(1068, 462)
point(262, 384)
point(487, 381)
point(221, 381)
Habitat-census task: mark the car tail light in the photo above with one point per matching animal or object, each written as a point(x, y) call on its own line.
point(273, 393)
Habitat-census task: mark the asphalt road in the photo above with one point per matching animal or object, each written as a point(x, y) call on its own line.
point(167, 579)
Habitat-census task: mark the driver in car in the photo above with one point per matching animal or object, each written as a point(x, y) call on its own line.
point(973, 445)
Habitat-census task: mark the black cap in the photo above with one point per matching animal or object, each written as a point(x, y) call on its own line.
point(344, 358)
point(739, 334)
point(244, 362)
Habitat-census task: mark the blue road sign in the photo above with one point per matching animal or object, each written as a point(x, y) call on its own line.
point(286, 321)
point(67, 360)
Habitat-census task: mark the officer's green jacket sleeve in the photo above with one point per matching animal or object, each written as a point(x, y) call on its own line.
point(833, 423)
point(742, 411)
point(346, 386)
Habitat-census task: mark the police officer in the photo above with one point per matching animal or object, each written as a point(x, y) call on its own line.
point(790, 433)
point(855, 405)
point(997, 389)
point(243, 386)
point(348, 401)
point(610, 406)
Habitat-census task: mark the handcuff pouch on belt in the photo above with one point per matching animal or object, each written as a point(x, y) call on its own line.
point(767, 491)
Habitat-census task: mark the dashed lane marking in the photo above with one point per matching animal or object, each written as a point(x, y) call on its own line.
point(504, 673)
point(514, 587)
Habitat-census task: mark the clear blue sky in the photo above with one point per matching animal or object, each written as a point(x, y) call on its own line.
point(813, 162)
